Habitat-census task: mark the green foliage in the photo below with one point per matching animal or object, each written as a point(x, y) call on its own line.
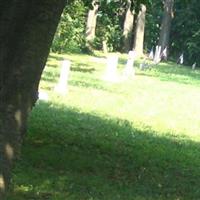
point(109, 31)
point(185, 34)
point(184, 37)
point(193, 45)
point(70, 35)
point(152, 24)
point(109, 25)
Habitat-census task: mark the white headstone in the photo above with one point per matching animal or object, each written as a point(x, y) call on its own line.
point(194, 65)
point(151, 54)
point(181, 59)
point(62, 86)
point(43, 95)
point(157, 54)
point(164, 54)
point(129, 68)
point(111, 69)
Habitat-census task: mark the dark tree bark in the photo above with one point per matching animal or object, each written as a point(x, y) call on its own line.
point(27, 30)
point(128, 27)
point(139, 33)
point(91, 22)
point(166, 25)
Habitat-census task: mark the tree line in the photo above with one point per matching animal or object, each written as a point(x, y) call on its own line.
point(132, 24)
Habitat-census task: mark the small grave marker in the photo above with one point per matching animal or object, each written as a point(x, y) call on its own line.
point(180, 59)
point(62, 86)
point(129, 68)
point(194, 66)
point(164, 54)
point(151, 54)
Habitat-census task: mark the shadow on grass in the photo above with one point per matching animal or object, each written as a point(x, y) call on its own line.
point(79, 156)
point(57, 57)
point(122, 61)
point(52, 66)
point(50, 77)
point(92, 83)
point(80, 67)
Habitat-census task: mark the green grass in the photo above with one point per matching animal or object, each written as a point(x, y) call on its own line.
point(132, 140)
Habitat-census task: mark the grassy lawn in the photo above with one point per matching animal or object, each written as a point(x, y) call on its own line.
point(132, 140)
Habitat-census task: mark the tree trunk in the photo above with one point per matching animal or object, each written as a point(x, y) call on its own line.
point(91, 23)
point(139, 33)
point(128, 27)
point(166, 25)
point(27, 30)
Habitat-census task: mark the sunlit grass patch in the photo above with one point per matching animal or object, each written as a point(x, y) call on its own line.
point(137, 139)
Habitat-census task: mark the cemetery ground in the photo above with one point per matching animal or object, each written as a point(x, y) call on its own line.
point(137, 139)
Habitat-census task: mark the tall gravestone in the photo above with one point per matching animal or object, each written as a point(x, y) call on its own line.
point(157, 54)
point(62, 86)
point(129, 71)
point(111, 69)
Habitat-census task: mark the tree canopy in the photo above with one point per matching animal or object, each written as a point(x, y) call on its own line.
point(184, 34)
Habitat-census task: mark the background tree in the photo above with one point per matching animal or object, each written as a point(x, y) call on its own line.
point(110, 25)
point(128, 26)
point(139, 32)
point(27, 31)
point(111, 22)
point(186, 31)
point(91, 22)
point(70, 34)
point(152, 25)
point(166, 24)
